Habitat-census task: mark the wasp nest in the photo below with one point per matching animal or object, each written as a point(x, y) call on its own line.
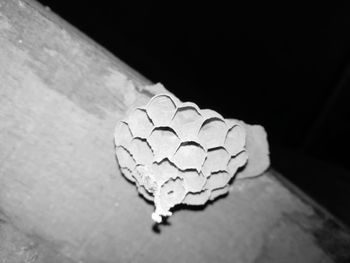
point(177, 153)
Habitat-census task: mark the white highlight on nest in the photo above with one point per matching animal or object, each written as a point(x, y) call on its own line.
point(177, 153)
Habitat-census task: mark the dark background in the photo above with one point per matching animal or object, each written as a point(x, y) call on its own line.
point(285, 66)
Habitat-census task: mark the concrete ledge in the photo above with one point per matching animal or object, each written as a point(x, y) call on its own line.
point(62, 198)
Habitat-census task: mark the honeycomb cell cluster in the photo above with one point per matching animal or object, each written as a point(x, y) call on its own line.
point(177, 153)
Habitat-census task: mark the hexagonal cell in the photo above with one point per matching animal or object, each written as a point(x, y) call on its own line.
point(164, 143)
point(127, 174)
point(217, 180)
point(141, 151)
point(161, 109)
point(233, 122)
point(193, 181)
point(216, 160)
point(189, 155)
point(219, 192)
point(122, 135)
point(170, 194)
point(188, 104)
point(235, 139)
point(212, 133)
point(210, 114)
point(140, 124)
point(237, 161)
point(125, 159)
point(165, 170)
point(196, 198)
point(187, 122)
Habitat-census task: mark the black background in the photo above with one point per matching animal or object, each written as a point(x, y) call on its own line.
point(285, 66)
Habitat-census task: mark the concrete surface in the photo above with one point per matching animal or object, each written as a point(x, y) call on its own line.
point(62, 198)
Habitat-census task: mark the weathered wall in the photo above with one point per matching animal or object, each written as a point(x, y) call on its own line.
point(62, 198)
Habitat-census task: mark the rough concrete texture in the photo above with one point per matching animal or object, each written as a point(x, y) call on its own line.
point(62, 197)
